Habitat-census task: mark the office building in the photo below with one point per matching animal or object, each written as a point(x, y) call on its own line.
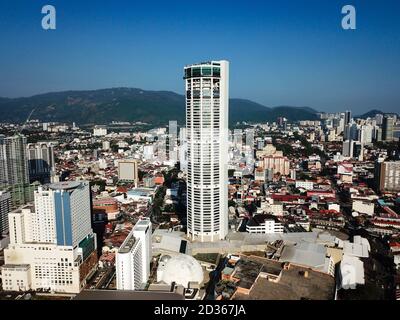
point(5, 208)
point(278, 164)
point(238, 138)
point(14, 168)
point(52, 246)
point(379, 119)
point(99, 131)
point(347, 117)
point(173, 141)
point(348, 148)
point(264, 224)
point(40, 161)
point(128, 171)
point(207, 106)
point(106, 145)
point(133, 258)
point(387, 176)
point(62, 213)
point(388, 128)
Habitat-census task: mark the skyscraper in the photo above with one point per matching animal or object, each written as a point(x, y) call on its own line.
point(62, 213)
point(40, 161)
point(388, 128)
point(207, 104)
point(52, 245)
point(14, 168)
point(5, 208)
point(347, 117)
point(173, 141)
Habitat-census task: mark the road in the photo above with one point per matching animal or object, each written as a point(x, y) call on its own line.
point(215, 276)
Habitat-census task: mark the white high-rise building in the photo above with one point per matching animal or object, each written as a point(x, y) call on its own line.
point(148, 152)
point(52, 245)
point(134, 257)
point(207, 106)
point(173, 141)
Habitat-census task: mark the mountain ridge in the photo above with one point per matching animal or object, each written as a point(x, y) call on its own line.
point(131, 104)
point(372, 113)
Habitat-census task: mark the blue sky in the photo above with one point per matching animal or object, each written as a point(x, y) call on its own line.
point(287, 52)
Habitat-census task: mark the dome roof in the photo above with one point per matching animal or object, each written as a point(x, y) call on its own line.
point(165, 258)
point(182, 269)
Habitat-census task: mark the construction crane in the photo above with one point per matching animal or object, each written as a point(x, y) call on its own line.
point(26, 121)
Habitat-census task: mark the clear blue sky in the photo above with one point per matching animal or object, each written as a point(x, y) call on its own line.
point(287, 52)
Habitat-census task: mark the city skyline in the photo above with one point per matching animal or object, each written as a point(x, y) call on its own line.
point(205, 152)
point(278, 55)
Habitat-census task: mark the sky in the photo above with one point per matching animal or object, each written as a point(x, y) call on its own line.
point(286, 52)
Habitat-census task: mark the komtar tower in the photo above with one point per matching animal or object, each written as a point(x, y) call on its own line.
point(207, 109)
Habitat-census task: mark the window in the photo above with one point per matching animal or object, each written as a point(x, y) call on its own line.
point(196, 72)
point(206, 71)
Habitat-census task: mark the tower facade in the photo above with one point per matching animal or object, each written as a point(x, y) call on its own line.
point(207, 107)
point(52, 245)
point(14, 168)
point(387, 128)
point(133, 258)
point(40, 161)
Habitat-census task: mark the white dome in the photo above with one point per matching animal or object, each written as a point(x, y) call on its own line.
point(182, 269)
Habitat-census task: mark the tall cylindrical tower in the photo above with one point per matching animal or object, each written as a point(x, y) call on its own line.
point(207, 105)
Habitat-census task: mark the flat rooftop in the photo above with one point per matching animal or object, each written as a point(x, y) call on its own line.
point(295, 283)
point(141, 225)
point(128, 244)
point(65, 185)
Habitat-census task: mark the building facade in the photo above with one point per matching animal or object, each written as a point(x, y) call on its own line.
point(387, 176)
point(41, 161)
point(5, 208)
point(207, 104)
point(388, 125)
point(133, 258)
point(14, 168)
point(52, 246)
point(128, 171)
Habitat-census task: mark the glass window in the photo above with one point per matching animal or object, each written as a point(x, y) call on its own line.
point(216, 72)
point(188, 73)
point(206, 71)
point(196, 72)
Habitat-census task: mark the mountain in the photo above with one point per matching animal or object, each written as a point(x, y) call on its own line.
point(370, 114)
point(293, 113)
point(130, 104)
